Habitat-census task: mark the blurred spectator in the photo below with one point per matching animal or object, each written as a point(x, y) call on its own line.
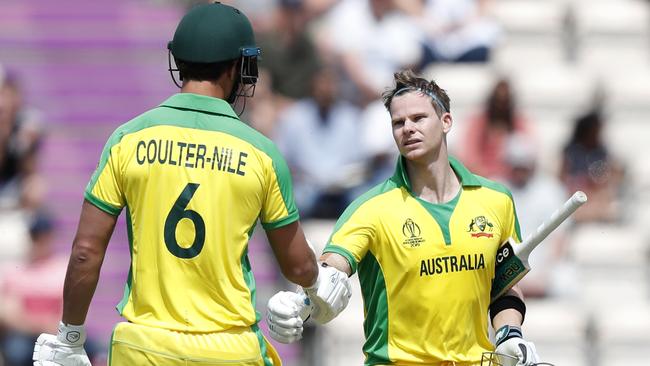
point(588, 166)
point(258, 11)
point(20, 137)
point(31, 292)
point(487, 133)
point(21, 189)
point(537, 195)
point(455, 30)
point(377, 145)
point(288, 52)
point(373, 39)
point(319, 136)
point(262, 111)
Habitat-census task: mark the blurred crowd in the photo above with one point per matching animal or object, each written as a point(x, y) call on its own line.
point(324, 66)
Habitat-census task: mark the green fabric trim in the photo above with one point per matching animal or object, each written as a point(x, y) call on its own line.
point(260, 340)
point(129, 279)
point(115, 138)
point(110, 347)
point(211, 118)
point(333, 248)
point(109, 209)
point(250, 283)
point(232, 126)
point(517, 228)
point(283, 177)
point(442, 213)
point(467, 179)
point(247, 273)
point(382, 188)
point(503, 189)
point(282, 222)
point(200, 103)
point(375, 303)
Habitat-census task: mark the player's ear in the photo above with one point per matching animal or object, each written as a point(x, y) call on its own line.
point(447, 121)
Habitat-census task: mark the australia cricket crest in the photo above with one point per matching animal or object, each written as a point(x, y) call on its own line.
point(480, 227)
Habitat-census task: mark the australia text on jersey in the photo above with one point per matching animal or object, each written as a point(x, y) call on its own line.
point(191, 155)
point(464, 262)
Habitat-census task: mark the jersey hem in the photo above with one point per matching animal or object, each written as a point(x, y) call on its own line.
point(280, 223)
point(111, 210)
point(345, 253)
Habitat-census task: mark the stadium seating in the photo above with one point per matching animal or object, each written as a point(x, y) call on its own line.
point(622, 335)
point(566, 347)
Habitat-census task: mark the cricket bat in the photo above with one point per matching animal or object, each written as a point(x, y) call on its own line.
point(512, 259)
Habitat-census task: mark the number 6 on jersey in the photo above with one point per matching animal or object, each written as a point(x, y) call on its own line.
point(178, 212)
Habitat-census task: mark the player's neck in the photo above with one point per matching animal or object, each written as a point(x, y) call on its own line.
point(207, 88)
point(434, 181)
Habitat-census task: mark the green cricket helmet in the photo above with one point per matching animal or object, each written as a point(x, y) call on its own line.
point(211, 33)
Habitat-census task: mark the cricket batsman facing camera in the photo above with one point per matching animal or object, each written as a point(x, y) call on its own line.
point(195, 180)
point(424, 244)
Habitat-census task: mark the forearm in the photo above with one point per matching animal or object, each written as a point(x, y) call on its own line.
point(297, 261)
point(80, 283)
point(509, 315)
point(337, 261)
point(508, 337)
point(304, 275)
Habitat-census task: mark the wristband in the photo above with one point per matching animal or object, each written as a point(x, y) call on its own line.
point(508, 302)
point(506, 332)
point(73, 335)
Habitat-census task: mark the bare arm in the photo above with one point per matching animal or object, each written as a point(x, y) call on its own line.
point(88, 250)
point(509, 316)
point(337, 261)
point(297, 261)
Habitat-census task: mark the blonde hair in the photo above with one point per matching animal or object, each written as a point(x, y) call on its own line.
point(408, 81)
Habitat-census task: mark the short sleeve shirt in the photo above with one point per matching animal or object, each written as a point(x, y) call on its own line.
point(426, 269)
point(194, 180)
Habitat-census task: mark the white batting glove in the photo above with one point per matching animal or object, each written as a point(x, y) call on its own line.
point(509, 342)
point(329, 295)
point(64, 349)
point(286, 313)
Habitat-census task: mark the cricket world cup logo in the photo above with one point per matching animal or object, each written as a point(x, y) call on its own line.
point(412, 232)
point(410, 229)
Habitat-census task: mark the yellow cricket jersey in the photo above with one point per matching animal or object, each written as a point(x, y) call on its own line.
point(194, 180)
point(426, 269)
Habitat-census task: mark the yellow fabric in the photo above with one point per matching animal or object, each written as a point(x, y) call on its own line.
point(134, 344)
point(426, 295)
point(194, 185)
point(444, 363)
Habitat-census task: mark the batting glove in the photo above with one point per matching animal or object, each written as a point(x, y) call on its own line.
point(286, 313)
point(329, 295)
point(63, 349)
point(509, 342)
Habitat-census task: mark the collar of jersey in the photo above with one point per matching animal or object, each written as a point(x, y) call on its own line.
point(200, 103)
point(467, 179)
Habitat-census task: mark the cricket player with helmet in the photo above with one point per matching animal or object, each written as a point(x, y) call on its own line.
point(194, 180)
